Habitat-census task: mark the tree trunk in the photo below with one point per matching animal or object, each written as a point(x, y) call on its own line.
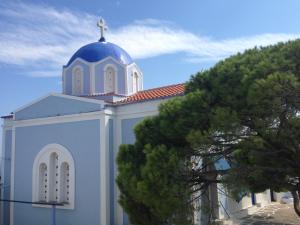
point(296, 202)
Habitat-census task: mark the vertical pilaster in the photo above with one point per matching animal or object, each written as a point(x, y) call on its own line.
point(2, 174)
point(12, 175)
point(104, 170)
point(92, 79)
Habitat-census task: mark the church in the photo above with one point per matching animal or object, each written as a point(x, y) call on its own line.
point(62, 147)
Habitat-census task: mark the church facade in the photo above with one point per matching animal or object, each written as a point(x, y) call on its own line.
point(62, 147)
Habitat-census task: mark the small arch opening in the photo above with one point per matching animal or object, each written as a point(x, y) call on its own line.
point(110, 80)
point(65, 183)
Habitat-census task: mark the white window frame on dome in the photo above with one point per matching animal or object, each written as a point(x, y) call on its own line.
point(135, 82)
point(57, 179)
point(115, 81)
point(74, 89)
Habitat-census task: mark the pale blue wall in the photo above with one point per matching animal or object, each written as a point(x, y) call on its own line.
point(111, 172)
point(82, 140)
point(6, 180)
point(128, 137)
point(99, 76)
point(86, 78)
point(54, 106)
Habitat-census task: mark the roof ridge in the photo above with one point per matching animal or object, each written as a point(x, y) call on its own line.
point(150, 89)
point(155, 93)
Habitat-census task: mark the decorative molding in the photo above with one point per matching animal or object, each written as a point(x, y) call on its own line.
point(44, 157)
point(3, 155)
point(95, 63)
point(110, 65)
point(136, 67)
point(104, 170)
point(64, 82)
point(76, 60)
point(104, 196)
point(109, 58)
point(12, 175)
point(115, 69)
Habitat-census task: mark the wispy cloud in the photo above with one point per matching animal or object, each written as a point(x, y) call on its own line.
point(43, 38)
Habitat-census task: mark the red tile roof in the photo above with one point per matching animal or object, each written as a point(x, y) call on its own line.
point(155, 93)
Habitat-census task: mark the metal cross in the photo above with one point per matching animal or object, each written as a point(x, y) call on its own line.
point(102, 25)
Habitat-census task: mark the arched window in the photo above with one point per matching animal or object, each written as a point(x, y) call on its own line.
point(65, 182)
point(77, 81)
point(54, 176)
point(135, 82)
point(110, 80)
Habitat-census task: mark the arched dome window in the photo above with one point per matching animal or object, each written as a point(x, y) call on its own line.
point(77, 81)
point(54, 176)
point(110, 80)
point(135, 82)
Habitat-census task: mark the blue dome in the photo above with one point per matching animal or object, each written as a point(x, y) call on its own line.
point(97, 51)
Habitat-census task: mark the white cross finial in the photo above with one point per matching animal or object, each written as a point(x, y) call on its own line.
point(103, 27)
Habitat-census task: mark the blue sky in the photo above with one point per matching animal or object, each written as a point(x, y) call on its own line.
point(169, 40)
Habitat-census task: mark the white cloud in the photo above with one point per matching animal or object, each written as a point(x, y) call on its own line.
point(44, 38)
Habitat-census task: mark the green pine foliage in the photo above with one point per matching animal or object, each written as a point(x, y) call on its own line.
point(246, 109)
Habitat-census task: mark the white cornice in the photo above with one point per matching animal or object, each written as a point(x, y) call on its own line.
point(97, 62)
point(76, 60)
point(110, 58)
point(58, 119)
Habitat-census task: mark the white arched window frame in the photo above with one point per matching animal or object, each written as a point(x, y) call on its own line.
point(110, 79)
point(77, 80)
point(53, 177)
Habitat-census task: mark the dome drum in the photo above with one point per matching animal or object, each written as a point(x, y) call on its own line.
point(101, 68)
